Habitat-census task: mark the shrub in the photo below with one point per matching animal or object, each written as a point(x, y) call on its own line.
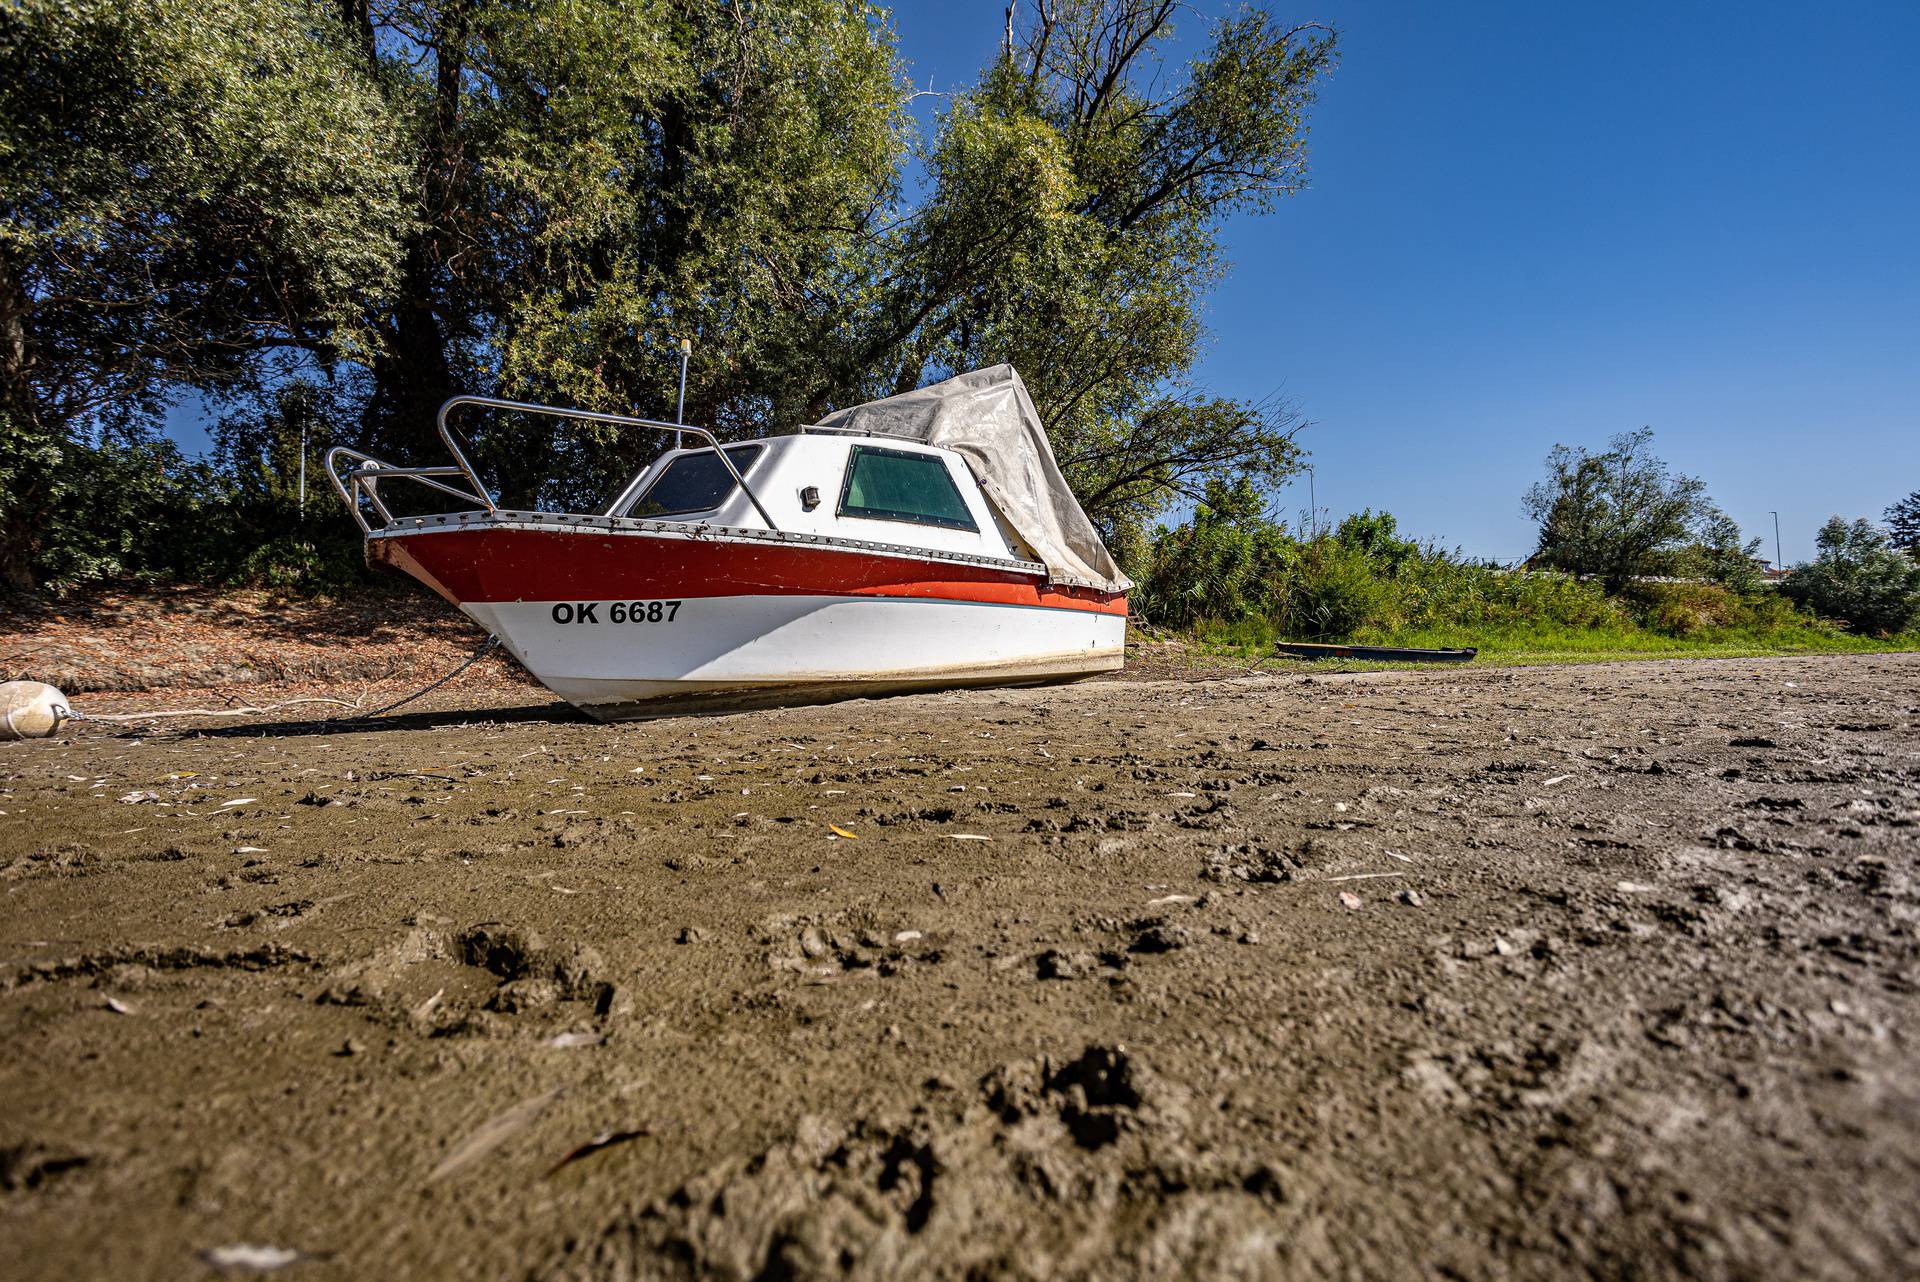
point(1329, 591)
point(1219, 566)
point(1683, 609)
point(1235, 576)
point(1860, 578)
point(1377, 538)
point(118, 507)
point(1443, 591)
point(132, 507)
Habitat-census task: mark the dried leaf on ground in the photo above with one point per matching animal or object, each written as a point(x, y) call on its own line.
point(491, 1134)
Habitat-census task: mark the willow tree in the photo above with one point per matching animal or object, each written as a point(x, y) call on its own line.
point(601, 180)
point(394, 200)
point(184, 185)
point(597, 179)
point(1073, 228)
point(1620, 514)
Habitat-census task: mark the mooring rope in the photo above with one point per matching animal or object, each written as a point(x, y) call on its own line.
point(74, 714)
point(466, 663)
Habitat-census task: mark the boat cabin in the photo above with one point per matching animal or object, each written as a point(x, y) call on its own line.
point(829, 485)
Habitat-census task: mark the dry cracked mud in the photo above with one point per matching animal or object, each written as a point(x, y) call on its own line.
point(1606, 971)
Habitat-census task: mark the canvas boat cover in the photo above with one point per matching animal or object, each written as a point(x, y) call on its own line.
point(987, 418)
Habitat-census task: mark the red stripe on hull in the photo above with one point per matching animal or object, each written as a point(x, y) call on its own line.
point(493, 565)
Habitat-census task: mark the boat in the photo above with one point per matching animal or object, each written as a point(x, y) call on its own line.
point(1375, 653)
point(924, 541)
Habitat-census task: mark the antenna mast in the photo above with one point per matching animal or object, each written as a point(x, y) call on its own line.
point(680, 410)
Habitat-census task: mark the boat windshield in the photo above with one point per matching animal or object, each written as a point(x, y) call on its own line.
point(692, 483)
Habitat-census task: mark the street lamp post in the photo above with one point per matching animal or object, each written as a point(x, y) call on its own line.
point(1778, 564)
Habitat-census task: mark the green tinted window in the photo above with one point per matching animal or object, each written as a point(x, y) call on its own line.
point(892, 485)
point(694, 483)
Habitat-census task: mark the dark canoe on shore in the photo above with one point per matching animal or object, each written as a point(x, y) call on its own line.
point(1381, 653)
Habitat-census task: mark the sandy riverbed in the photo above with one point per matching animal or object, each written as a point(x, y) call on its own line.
point(1585, 971)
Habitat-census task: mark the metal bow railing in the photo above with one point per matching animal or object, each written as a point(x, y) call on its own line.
point(363, 478)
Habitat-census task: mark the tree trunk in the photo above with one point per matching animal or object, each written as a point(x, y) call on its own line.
point(412, 374)
point(20, 510)
point(16, 396)
point(357, 17)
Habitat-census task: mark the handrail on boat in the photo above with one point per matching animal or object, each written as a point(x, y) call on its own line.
point(366, 476)
point(369, 471)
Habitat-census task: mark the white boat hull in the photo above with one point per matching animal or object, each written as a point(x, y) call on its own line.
point(730, 652)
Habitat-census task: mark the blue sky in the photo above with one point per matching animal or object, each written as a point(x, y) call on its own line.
point(1531, 223)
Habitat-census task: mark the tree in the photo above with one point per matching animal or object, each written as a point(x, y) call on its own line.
point(400, 201)
point(392, 202)
point(598, 180)
point(1072, 227)
point(184, 184)
point(1724, 555)
point(1068, 223)
point(1859, 577)
point(1903, 524)
point(1617, 515)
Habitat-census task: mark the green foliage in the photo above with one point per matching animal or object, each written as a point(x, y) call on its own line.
point(257, 451)
point(538, 197)
point(1859, 577)
point(1329, 591)
point(1067, 224)
point(1442, 593)
point(719, 175)
point(1377, 538)
point(1233, 565)
point(1234, 575)
point(1072, 228)
point(734, 176)
point(1219, 566)
point(1706, 609)
point(1616, 515)
point(112, 502)
point(311, 557)
point(130, 507)
point(1722, 555)
point(1903, 524)
point(183, 183)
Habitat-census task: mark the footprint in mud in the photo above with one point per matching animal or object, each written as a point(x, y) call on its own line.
point(1082, 1166)
point(532, 975)
point(1252, 862)
point(375, 980)
point(92, 965)
point(66, 859)
point(31, 1167)
point(892, 818)
point(824, 947)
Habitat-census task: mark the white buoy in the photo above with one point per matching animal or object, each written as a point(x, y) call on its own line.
point(30, 710)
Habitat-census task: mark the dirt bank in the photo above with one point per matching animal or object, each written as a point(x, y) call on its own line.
point(142, 637)
point(1589, 971)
